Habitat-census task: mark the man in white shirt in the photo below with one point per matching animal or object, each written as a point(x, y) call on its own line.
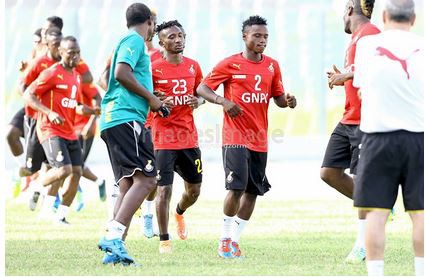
point(389, 73)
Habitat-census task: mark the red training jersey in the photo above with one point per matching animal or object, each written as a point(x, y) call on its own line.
point(177, 131)
point(59, 90)
point(154, 54)
point(39, 65)
point(250, 85)
point(88, 92)
point(352, 99)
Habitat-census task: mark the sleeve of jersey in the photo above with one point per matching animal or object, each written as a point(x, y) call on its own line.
point(358, 63)
point(31, 74)
point(82, 67)
point(277, 85)
point(217, 76)
point(198, 77)
point(130, 50)
point(44, 83)
point(89, 90)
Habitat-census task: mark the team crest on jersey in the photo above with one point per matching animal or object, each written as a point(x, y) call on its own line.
point(191, 69)
point(271, 68)
point(29, 163)
point(60, 76)
point(237, 66)
point(59, 157)
point(229, 178)
point(149, 167)
point(158, 176)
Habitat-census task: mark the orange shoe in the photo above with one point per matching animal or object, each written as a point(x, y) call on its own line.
point(224, 248)
point(165, 247)
point(181, 226)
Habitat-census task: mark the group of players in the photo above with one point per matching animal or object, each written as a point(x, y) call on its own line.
point(42, 143)
point(146, 121)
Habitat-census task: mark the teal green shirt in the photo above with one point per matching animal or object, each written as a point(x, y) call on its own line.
point(120, 105)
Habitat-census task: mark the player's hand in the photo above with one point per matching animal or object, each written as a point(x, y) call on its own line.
point(55, 118)
point(22, 66)
point(231, 108)
point(193, 101)
point(154, 103)
point(97, 111)
point(336, 78)
point(160, 95)
point(291, 100)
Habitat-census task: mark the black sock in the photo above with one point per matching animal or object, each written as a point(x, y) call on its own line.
point(164, 237)
point(178, 210)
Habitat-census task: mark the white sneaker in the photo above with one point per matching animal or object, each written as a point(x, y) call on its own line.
point(357, 255)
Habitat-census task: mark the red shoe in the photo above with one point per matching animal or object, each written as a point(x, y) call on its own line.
point(234, 249)
point(224, 248)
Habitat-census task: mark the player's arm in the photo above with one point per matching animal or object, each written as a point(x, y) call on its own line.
point(336, 78)
point(38, 87)
point(231, 108)
point(104, 78)
point(285, 100)
point(195, 100)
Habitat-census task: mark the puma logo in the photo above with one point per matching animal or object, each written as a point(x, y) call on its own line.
point(387, 53)
point(159, 70)
point(131, 51)
point(60, 76)
point(238, 66)
point(44, 65)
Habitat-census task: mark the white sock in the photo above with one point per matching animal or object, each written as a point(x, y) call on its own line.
point(227, 226)
point(361, 233)
point(238, 227)
point(99, 182)
point(419, 266)
point(48, 204)
point(115, 230)
point(114, 191)
point(375, 268)
point(148, 207)
point(62, 211)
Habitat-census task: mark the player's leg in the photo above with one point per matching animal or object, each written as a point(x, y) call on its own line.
point(418, 241)
point(189, 167)
point(165, 160)
point(375, 241)
point(14, 133)
point(235, 162)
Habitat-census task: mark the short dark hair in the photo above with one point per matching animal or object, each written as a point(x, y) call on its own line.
point(137, 13)
point(253, 20)
point(53, 31)
point(38, 32)
point(168, 24)
point(69, 38)
point(56, 21)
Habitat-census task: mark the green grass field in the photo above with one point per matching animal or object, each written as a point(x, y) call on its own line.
point(282, 238)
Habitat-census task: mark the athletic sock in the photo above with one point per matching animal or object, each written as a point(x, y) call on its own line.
point(375, 268)
point(164, 237)
point(238, 227)
point(148, 207)
point(112, 199)
point(227, 226)
point(115, 230)
point(48, 203)
point(62, 211)
point(419, 266)
point(361, 233)
point(179, 211)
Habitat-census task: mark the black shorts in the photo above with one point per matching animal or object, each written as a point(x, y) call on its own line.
point(245, 169)
point(186, 162)
point(343, 148)
point(60, 152)
point(18, 121)
point(130, 148)
point(35, 155)
point(86, 145)
point(386, 161)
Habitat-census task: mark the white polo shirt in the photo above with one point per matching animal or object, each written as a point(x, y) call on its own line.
point(389, 70)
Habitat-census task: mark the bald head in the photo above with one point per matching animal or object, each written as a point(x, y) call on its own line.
point(402, 11)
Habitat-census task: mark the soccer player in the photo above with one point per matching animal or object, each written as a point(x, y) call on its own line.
point(175, 138)
point(124, 109)
point(389, 73)
point(35, 154)
point(343, 147)
point(251, 79)
point(54, 95)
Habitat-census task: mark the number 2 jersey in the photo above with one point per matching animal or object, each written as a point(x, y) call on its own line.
point(179, 81)
point(250, 85)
